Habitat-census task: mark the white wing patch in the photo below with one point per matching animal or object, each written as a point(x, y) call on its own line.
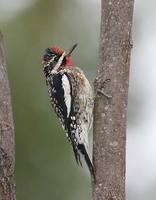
point(67, 94)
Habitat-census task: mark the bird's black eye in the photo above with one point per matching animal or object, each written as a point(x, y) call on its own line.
point(48, 51)
point(48, 54)
point(56, 58)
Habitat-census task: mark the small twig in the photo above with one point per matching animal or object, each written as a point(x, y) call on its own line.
point(101, 89)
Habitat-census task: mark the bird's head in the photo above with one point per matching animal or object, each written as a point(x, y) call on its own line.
point(55, 58)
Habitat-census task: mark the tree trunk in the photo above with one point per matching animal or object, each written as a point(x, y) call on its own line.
point(111, 89)
point(7, 150)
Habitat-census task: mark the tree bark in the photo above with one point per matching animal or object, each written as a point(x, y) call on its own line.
point(7, 150)
point(111, 89)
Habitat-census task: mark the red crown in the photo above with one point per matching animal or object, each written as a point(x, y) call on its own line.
point(57, 50)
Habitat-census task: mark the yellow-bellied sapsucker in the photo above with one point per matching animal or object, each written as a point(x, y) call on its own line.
point(71, 97)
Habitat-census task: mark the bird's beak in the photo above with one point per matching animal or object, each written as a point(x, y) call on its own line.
point(71, 49)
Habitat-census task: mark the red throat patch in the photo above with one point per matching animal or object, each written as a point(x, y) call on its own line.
point(68, 61)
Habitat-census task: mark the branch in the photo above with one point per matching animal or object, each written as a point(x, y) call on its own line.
point(111, 89)
point(7, 150)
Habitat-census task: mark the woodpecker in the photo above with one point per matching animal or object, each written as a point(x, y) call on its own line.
point(71, 97)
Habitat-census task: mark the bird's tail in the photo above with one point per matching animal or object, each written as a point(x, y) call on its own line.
point(77, 155)
point(83, 151)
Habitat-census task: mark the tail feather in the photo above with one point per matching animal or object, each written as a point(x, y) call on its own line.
point(82, 149)
point(77, 156)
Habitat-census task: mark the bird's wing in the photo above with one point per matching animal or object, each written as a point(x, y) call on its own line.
point(70, 106)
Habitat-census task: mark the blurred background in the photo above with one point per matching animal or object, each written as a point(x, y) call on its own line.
point(45, 165)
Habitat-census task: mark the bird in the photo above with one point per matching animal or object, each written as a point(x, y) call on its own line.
point(71, 97)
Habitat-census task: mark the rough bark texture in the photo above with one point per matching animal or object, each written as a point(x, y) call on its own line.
point(7, 152)
point(110, 113)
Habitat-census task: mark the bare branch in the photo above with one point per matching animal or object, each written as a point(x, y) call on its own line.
point(111, 100)
point(7, 150)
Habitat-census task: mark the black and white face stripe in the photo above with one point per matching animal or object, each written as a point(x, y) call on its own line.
point(52, 62)
point(59, 63)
